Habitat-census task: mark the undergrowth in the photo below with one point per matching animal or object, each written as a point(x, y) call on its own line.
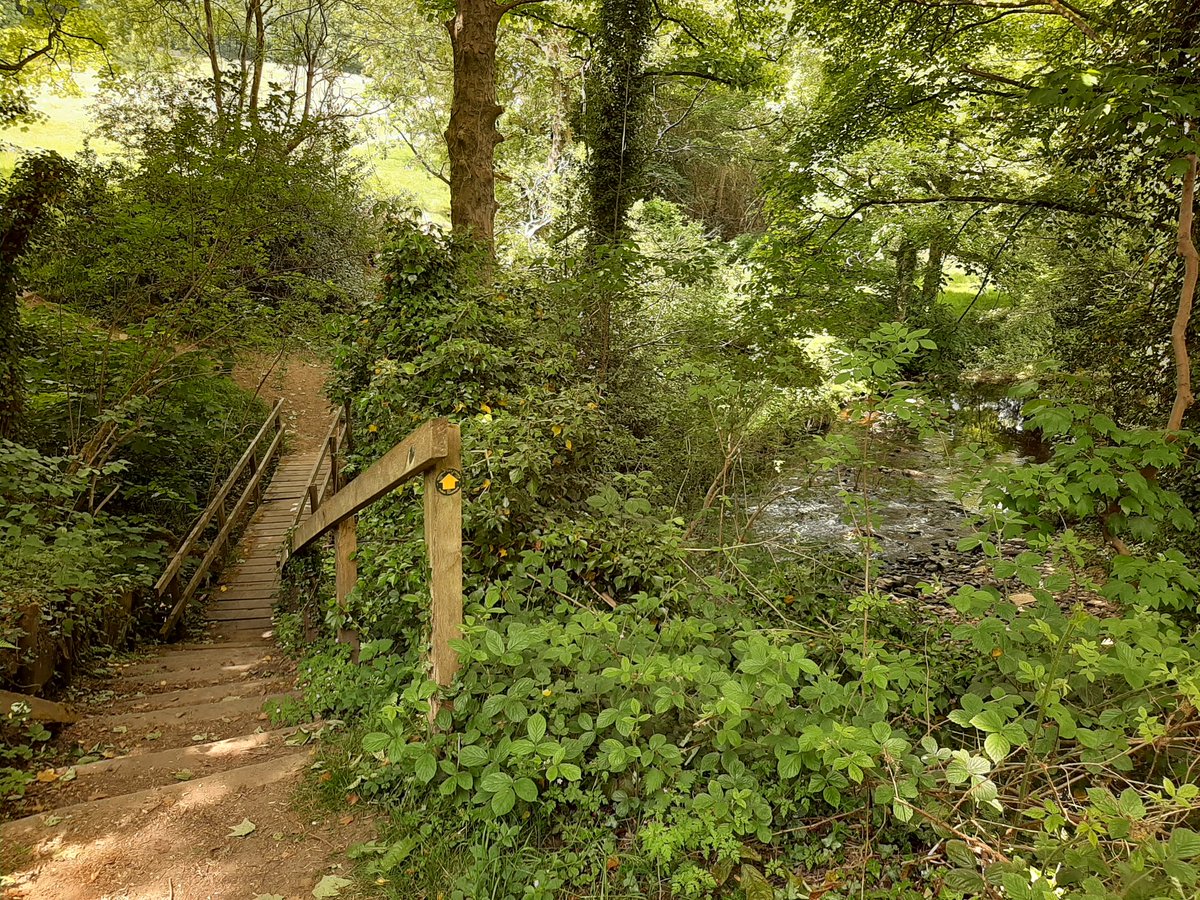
point(632, 722)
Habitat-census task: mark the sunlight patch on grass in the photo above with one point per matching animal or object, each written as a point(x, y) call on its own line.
point(961, 288)
point(396, 173)
point(66, 123)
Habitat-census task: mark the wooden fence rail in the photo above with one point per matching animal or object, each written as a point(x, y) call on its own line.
point(434, 449)
point(170, 583)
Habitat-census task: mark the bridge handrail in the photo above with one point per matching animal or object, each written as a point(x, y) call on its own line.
point(170, 583)
point(433, 449)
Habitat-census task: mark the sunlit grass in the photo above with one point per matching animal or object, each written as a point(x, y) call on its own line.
point(66, 123)
point(961, 288)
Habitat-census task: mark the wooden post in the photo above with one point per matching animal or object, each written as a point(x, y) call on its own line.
point(256, 496)
point(443, 540)
point(345, 543)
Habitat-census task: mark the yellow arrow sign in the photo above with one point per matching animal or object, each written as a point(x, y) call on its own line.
point(449, 482)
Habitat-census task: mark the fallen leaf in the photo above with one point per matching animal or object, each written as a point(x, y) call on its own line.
point(154, 735)
point(242, 829)
point(346, 820)
point(120, 729)
point(330, 886)
point(51, 821)
point(352, 799)
point(326, 776)
point(184, 775)
point(269, 897)
point(68, 775)
point(47, 775)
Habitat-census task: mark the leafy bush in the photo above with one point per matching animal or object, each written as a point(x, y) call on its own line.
point(66, 566)
point(629, 720)
point(216, 229)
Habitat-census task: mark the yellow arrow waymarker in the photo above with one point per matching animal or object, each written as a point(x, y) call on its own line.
point(449, 482)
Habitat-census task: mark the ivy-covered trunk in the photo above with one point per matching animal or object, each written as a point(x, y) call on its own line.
point(471, 137)
point(618, 91)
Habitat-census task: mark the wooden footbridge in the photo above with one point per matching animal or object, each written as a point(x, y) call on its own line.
point(308, 497)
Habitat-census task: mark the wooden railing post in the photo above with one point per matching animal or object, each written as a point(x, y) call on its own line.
point(345, 545)
point(443, 541)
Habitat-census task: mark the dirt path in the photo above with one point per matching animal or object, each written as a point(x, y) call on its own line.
point(191, 788)
point(300, 380)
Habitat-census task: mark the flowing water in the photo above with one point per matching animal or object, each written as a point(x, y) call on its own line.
point(910, 487)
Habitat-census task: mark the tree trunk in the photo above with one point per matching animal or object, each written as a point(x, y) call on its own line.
point(260, 53)
point(10, 353)
point(1186, 247)
point(906, 270)
point(471, 137)
point(214, 58)
point(931, 281)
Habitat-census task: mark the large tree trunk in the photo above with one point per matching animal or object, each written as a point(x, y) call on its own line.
point(1186, 248)
point(931, 281)
point(471, 137)
point(906, 271)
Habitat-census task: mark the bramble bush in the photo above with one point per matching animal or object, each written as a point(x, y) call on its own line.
point(627, 723)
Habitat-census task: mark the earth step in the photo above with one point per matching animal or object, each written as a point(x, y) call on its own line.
point(228, 629)
point(179, 678)
point(121, 817)
point(140, 771)
point(142, 702)
point(222, 604)
point(217, 645)
point(191, 715)
point(193, 660)
point(241, 610)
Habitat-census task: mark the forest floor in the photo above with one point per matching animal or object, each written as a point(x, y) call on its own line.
point(185, 785)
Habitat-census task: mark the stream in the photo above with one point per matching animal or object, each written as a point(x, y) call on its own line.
point(916, 516)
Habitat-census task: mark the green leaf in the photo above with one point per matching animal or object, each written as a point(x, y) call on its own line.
point(755, 884)
point(495, 782)
point(493, 642)
point(472, 756)
point(503, 801)
point(1184, 843)
point(525, 789)
point(996, 747)
point(570, 771)
point(536, 727)
point(965, 881)
point(376, 742)
point(425, 768)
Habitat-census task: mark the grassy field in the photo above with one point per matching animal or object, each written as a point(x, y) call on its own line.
point(66, 124)
point(960, 291)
